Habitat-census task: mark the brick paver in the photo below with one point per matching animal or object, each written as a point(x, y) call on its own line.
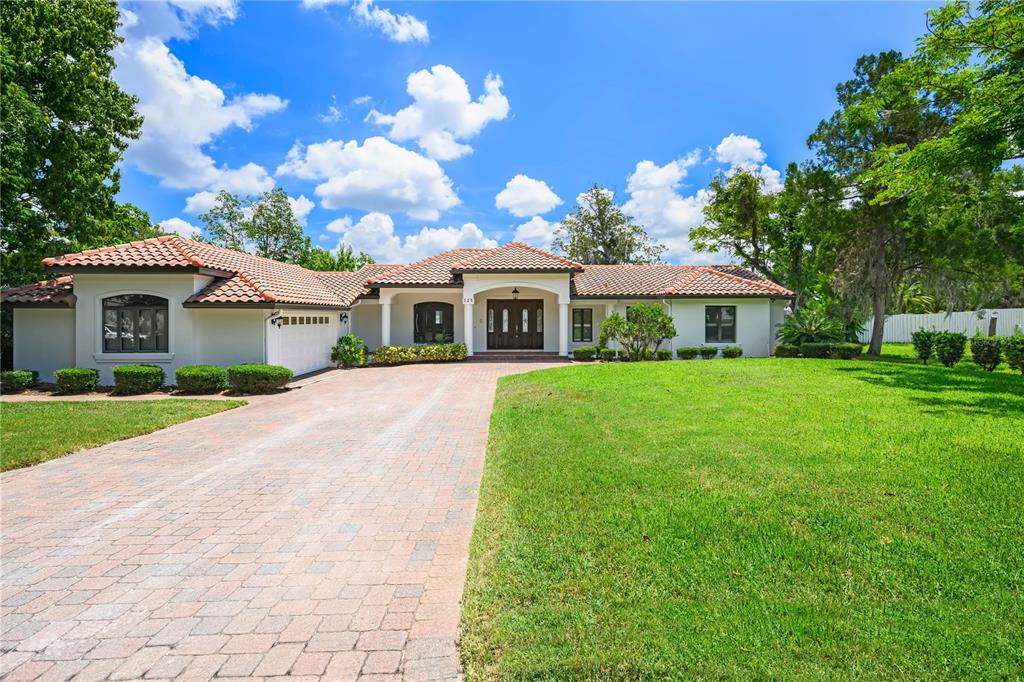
point(323, 533)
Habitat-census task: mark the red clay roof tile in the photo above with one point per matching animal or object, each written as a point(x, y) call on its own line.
point(57, 291)
point(516, 257)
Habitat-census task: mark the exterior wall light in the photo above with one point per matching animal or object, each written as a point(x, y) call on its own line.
point(515, 294)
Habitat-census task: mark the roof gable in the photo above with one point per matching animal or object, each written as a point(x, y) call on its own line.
point(516, 257)
point(432, 271)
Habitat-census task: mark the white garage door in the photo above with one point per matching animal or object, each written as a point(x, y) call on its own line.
point(303, 341)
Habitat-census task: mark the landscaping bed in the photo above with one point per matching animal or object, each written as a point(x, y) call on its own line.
point(765, 519)
point(33, 432)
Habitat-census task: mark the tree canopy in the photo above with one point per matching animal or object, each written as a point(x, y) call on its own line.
point(597, 232)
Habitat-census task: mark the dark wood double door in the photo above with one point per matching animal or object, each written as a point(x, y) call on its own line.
point(515, 324)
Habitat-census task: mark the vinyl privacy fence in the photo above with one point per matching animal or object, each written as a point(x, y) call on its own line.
point(898, 328)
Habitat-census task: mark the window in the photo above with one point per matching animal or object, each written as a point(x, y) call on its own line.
point(582, 324)
point(490, 319)
point(504, 320)
point(433, 323)
point(540, 320)
point(134, 323)
point(720, 324)
point(526, 321)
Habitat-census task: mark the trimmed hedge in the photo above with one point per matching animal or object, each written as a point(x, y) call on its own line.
point(949, 347)
point(786, 350)
point(708, 352)
point(924, 344)
point(608, 354)
point(395, 355)
point(136, 379)
point(987, 352)
point(201, 379)
point(847, 351)
point(1013, 348)
point(257, 378)
point(688, 353)
point(76, 379)
point(732, 352)
point(17, 380)
point(585, 353)
point(434, 353)
point(816, 350)
point(437, 352)
point(663, 354)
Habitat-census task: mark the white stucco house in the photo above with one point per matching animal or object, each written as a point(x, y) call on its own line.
point(171, 302)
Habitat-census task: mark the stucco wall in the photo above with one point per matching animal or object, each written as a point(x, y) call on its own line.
point(753, 324)
point(228, 337)
point(402, 314)
point(44, 340)
point(365, 323)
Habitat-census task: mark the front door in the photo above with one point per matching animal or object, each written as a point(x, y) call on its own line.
point(515, 324)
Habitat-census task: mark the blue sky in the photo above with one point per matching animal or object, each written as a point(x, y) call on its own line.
point(407, 128)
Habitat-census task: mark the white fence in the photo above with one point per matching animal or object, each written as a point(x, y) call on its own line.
point(898, 328)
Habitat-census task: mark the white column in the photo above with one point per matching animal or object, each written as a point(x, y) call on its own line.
point(563, 329)
point(609, 308)
point(385, 323)
point(467, 326)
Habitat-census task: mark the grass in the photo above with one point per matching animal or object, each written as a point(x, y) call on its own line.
point(33, 432)
point(751, 519)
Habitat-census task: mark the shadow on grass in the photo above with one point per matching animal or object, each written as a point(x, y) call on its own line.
point(997, 394)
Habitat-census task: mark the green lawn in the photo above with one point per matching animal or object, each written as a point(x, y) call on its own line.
point(751, 519)
point(33, 432)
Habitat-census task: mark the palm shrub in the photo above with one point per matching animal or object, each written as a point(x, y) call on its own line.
point(349, 351)
point(687, 353)
point(76, 379)
point(1013, 349)
point(732, 352)
point(257, 378)
point(924, 344)
point(949, 347)
point(810, 325)
point(708, 352)
point(201, 379)
point(137, 379)
point(987, 352)
point(16, 381)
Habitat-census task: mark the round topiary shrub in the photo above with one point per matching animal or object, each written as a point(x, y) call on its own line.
point(584, 353)
point(949, 347)
point(708, 352)
point(687, 353)
point(663, 354)
point(608, 354)
point(76, 379)
point(17, 381)
point(1013, 349)
point(732, 352)
point(201, 379)
point(136, 379)
point(987, 352)
point(257, 378)
point(924, 344)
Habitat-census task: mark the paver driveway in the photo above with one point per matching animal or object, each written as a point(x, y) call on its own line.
point(321, 533)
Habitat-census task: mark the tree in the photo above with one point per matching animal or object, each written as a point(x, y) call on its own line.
point(884, 239)
point(273, 229)
point(641, 331)
point(226, 223)
point(736, 221)
point(316, 258)
point(597, 232)
point(64, 125)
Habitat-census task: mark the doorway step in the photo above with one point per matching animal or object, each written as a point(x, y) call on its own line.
point(516, 356)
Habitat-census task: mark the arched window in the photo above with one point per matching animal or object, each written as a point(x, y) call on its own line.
point(135, 323)
point(433, 322)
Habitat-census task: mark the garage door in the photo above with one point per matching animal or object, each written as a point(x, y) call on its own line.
point(303, 341)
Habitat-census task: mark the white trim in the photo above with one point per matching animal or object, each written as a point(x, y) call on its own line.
point(134, 357)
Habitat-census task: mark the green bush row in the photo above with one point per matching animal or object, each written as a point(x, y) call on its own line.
point(400, 355)
point(257, 378)
point(76, 379)
point(586, 353)
point(840, 351)
point(201, 379)
point(986, 351)
point(706, 352)
point(18, 380)
point(136, 379)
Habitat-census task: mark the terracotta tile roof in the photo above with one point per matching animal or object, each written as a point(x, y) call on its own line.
point(673, 280)
point(48, 292)
point(516, 257)
point(436, 270)
point(236, 289)
point(350, 285)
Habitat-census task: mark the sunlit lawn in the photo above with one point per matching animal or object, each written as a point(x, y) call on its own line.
point(751, 519)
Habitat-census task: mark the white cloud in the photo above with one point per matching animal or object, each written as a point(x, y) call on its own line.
point(376, 176)
point(771, 178)
point(339, 225)
point(334, 114)
point(537, 231)
point(375, 234)
point(183, 113)
point(200, 202)
point(301, 208)
point(364, 99)
point(399, 28)
point(179, 227)
point(739, 151)
point(443, 114)
point(525, 196)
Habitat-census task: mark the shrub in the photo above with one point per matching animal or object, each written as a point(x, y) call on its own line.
point(949, 347)
point(457, 352)
point(1013, 348)
point(663, 354)
point(349, 351)
point(816, 350)
point(76, 379)
point(810, 325)
point(433, 353)
point(256, 378)
point(584, 353)
point(136, 379)
point(201, 379)
point(639, 333)
point(847, 351)
point(687, 353)
point(785, 350)
point(987, 352)
point(17, 381)
point(732, 352)
point(924, 344)
point(708, 352)
point(395, 355)
point(607, 354)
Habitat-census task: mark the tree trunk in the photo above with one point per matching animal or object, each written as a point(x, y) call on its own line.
point(879, 288)
point(878, 325)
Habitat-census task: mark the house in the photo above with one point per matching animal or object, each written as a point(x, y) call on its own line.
point(171, 302)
